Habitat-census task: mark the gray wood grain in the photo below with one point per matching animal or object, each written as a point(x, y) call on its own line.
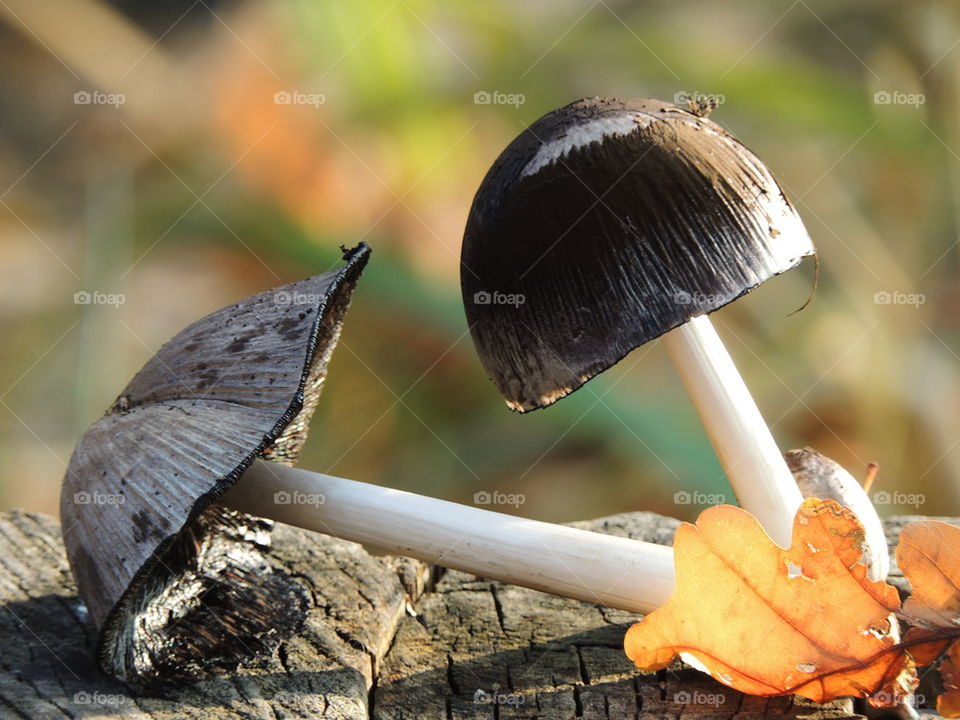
point(386, 638)
point(47, 669)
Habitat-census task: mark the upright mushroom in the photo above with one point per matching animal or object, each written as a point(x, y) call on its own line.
point(608, 223)
point(164, 499)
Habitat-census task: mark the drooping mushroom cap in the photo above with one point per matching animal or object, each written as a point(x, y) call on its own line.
point(179, 586)
point(606, 224)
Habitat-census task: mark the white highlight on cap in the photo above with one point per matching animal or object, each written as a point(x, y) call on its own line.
point(581, 135)
point(789, 242)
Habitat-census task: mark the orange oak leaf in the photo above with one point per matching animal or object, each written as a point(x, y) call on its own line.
point(929, 556)
point(925, 646)
point(948, 704)
point(769, 621)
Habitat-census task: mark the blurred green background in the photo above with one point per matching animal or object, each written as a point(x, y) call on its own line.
point(178, 179)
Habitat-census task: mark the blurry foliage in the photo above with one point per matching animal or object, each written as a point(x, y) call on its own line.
point(200, 189)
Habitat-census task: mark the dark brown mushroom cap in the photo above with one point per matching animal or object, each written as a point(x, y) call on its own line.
point(179, 586)
point(606, 224)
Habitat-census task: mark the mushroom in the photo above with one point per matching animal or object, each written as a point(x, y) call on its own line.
point(819, 476)
point(173, 565)
point(609, 223)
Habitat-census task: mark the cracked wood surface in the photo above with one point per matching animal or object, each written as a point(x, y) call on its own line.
point(385, 639)
point(46, 657)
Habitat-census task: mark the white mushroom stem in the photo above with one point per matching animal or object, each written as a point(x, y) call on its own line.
point(747, 451)
point(613, 571)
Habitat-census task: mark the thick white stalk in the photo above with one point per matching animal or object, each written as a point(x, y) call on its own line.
point(613, 571)
point(747, 451)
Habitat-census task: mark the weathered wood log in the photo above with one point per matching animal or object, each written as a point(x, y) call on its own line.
point(386, 638)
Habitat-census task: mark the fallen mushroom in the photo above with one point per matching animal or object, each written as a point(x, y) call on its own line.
point(175, 573)
point(608, 223)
